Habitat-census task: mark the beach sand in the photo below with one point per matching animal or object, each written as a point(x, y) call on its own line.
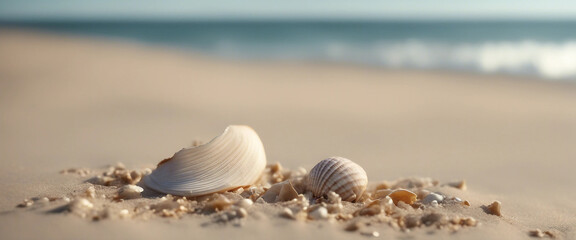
point(88, 103)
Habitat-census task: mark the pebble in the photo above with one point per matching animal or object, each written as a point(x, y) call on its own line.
point(495, 208)
point(433, 197)
point(318, 214)
point(241, 212)
point(124, 213)
point(287, 213)
point(245, 203)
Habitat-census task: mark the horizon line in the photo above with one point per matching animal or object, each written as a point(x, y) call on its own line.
point(286, 19)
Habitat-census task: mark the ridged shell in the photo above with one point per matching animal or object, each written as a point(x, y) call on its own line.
point(234, 159)
point(339, 175)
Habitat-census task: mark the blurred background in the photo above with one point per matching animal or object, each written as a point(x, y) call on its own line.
point(448, 89)
point(516, 37)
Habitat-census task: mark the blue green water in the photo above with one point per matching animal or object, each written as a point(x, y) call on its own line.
point(546, 49)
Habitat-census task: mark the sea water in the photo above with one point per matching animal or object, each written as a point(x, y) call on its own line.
point(546, 49)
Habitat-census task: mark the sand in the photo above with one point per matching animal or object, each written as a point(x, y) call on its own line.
point(80, 102)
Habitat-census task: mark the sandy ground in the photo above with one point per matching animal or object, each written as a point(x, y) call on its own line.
point(72, 102)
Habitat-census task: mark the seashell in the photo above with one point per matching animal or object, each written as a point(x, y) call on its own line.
point(280, 192)
point(403, 195)
point(234, 159)
point(339, 175)
point(130, 192)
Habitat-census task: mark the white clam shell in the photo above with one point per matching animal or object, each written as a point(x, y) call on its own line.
point(234, 159)
point(339, 175)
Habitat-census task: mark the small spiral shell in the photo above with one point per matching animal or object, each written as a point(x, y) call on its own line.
point(339, 175)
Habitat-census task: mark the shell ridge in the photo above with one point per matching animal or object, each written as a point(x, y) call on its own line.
point(339, 175)
point(234, 158)
point(327, 178)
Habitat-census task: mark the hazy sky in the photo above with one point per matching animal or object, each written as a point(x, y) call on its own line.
point(386, 9)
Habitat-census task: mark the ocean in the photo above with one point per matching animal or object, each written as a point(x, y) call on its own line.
point(546, 49)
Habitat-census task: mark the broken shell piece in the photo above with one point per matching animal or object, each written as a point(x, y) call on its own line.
point(494, 208)
point(339, 175)
point(287, 192)
point(280, 192)
point(130, 192)
point(382, 193)
point(403, 195)
point(234, 159)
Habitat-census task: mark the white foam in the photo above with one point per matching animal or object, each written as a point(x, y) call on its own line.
point(552, 60)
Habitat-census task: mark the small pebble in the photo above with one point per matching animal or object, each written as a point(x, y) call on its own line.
point(287, 213)
point(245, 203)
point(433, 197)
point(536, 233)
point(241, 212)
point(124, 213)
point(354, 226)
point(318, 214)
point(495, 208)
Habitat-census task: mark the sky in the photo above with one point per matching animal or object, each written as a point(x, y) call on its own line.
point(287, 9)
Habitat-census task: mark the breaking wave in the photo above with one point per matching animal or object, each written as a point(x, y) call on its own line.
point(551, 60)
